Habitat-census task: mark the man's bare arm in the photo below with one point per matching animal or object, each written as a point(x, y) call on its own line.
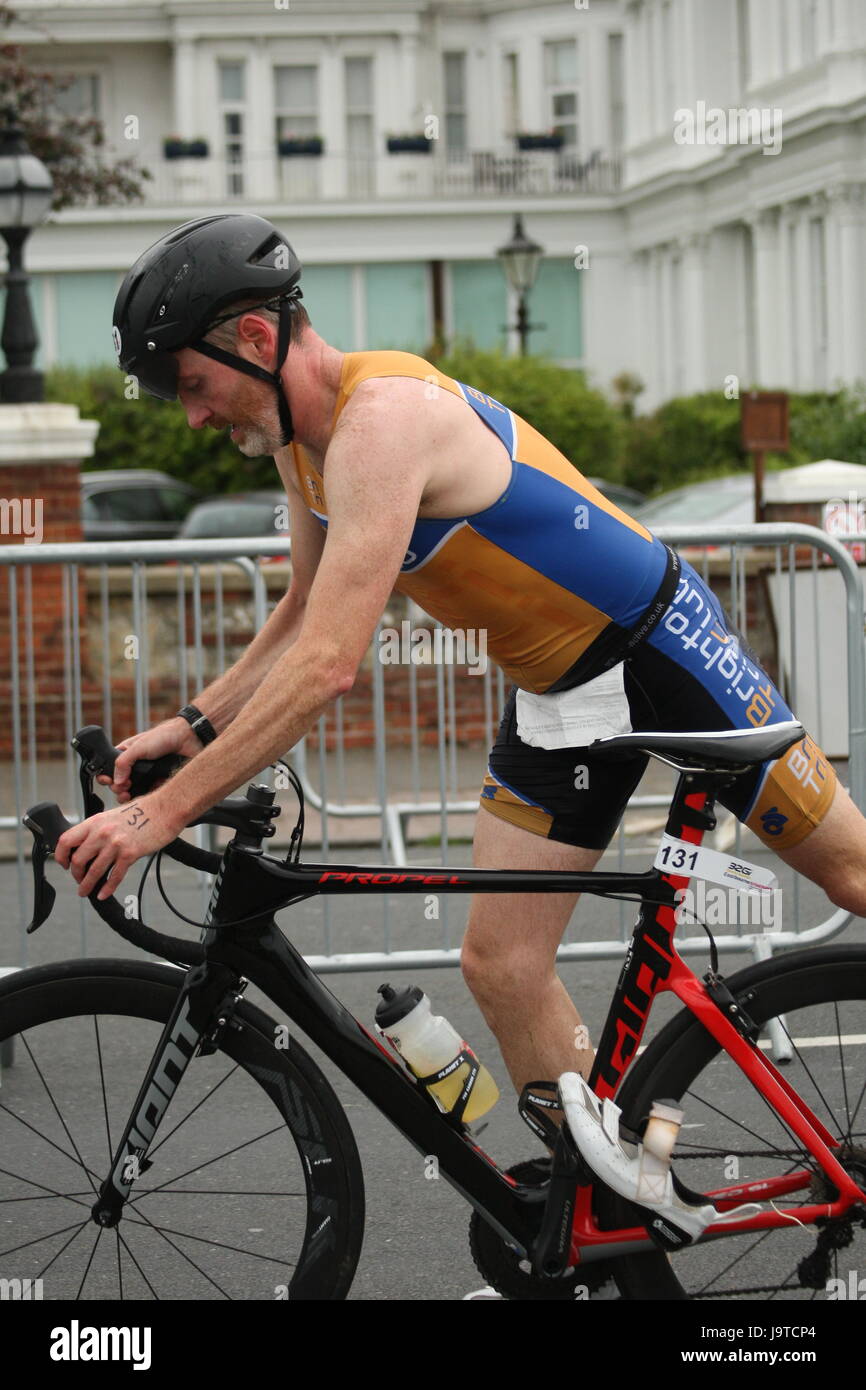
point(225, 697)
point(375, 476)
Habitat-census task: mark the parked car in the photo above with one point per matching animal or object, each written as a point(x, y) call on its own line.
point(262, 513)
point(621, 496)
point(133, 504)
point(726, 501)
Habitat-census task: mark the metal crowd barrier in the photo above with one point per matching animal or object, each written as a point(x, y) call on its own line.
point(387, 794)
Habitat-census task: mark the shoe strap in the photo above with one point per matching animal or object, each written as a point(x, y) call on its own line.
point(537, 1099)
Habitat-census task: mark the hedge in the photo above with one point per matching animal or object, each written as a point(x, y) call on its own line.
point(149, 433)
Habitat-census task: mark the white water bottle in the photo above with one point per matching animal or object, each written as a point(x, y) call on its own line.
point(430, 1046)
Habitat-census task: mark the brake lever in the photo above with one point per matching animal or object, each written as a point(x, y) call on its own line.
point(46, 823)
point(98, 756)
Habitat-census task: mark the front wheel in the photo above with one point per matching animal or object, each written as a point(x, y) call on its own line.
point(252, 1188)
point(731, 1135)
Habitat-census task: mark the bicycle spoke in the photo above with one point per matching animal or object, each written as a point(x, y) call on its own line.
point(89, 1262)
point(66, 1128)
point(37, 1240)
point(126, 1247)
point(6, 1111)
point(828, 1107)
point(82, 1200)
point(102, 1086)
point(221, 1245)
point(63, 1247)
point(774, 1148)
point(160, 1230)
point(177, 1177)
point(208, 1095)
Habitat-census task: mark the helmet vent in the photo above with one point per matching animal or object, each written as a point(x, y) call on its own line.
point(266, 249)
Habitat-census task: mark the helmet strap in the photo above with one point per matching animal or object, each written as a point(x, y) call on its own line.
point(240, 364)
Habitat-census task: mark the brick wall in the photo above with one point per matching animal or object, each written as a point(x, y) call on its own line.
point(56, 486)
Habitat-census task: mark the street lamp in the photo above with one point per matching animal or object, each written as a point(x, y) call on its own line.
point(519, 258)
point(25, 197)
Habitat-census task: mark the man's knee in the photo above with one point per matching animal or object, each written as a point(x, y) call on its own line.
point(834, 855)
point(845, 885)
point(504, 975)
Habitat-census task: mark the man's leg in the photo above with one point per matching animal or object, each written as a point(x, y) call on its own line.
point(509, 954)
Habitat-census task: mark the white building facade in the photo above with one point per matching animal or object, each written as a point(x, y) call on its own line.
point(701, 210)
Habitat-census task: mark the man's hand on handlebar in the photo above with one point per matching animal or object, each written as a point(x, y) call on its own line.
point(111, 842)
point(172, 736)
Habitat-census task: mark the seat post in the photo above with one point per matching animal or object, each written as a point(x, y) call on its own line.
point(693, 802)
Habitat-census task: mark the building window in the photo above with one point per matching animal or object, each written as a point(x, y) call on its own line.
point(359, 126)
point(616, 91)
point(80, 98)
point(232, 93)
point(560, 73)
point(455, 103)
point(296, 101)
point(512, 95)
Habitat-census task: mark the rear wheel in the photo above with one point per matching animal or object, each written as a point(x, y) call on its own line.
point(731, 1135)
point(253, 1189)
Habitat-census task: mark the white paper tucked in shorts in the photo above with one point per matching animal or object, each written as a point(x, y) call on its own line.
point(572, 719)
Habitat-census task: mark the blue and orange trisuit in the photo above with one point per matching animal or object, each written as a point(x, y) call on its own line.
point(566, 586)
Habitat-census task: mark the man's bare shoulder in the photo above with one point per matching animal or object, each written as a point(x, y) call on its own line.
point(411, 410)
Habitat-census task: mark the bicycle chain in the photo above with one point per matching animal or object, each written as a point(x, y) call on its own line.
point(739, 1153)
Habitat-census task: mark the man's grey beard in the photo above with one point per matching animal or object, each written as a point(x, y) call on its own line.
point(259, 439)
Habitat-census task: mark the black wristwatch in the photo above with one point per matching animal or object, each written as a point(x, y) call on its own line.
point(199, 723)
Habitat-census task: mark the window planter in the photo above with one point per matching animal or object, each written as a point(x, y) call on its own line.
point(310, 145)
point(547, 141)
point(174, 148)
point(408, 144)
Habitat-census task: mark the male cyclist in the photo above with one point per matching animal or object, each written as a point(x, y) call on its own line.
point(398, 476)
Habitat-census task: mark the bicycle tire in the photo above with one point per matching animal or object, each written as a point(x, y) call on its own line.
point(811, 989)
point(48, 1140)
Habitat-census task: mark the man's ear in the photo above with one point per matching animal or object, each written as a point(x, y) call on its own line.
point(259, 337)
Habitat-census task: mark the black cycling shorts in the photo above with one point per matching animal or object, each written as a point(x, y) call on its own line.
point(692, 674)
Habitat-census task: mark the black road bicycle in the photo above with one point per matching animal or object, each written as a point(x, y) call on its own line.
point(160, 1136)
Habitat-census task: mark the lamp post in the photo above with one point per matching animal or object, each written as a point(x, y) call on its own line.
point(519, 258)
point(25, 197)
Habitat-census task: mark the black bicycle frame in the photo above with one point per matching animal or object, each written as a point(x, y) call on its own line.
point(257, 950)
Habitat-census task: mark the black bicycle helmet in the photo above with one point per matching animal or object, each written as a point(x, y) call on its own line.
point(173, 295)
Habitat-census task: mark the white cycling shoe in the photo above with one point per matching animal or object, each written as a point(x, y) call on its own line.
point(639, 1172)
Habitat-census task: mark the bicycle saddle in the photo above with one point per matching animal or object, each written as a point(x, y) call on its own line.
point(722, 748)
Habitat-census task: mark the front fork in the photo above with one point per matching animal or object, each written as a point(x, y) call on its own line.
point(201, 1011)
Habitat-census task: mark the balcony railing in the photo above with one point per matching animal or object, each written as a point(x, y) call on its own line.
point(333, 178)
